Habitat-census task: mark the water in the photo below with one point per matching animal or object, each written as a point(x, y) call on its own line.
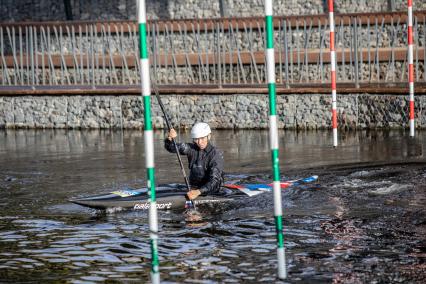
point(364, 221)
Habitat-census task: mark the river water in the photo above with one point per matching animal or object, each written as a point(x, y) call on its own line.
point(364, 221)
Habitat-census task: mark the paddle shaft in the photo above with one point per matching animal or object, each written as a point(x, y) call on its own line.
point(169, 126)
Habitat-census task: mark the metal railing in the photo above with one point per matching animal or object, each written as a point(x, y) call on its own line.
point(370, 48)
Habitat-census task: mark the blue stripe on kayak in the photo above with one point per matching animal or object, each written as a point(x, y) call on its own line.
point(257, 186)
point(310, 179)
point(302, 181)
point(268, 186)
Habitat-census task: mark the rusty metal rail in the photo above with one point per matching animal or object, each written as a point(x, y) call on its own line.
point(210, 54)
point(210, 24)
point(384, 55)
point(344, 88)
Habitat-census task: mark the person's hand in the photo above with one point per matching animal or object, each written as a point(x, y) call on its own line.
point(193, 193)
point(172, 134)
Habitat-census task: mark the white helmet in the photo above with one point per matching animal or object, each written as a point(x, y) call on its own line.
point(200, 129)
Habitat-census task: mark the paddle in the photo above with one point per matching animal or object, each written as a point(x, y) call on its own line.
point(189, 202)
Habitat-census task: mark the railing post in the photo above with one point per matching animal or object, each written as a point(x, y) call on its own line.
point(355, 26)
point(287, 80)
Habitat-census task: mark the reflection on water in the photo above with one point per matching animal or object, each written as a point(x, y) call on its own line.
point(364, 221)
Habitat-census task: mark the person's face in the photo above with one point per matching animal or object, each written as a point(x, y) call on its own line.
point(201, 142)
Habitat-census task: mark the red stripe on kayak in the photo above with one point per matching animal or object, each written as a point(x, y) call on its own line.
point(282, 184)
point(234, 186)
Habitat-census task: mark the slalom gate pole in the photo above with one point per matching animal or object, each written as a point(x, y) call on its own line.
point(149, 142)
point(333, 72)
point(273, 138)
point(410, 65)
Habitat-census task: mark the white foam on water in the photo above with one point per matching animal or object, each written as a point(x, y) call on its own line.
point(360, 174)
point(114, 210)
point(390, 189)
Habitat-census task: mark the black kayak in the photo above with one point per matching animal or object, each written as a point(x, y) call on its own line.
point(173, 196)
point(168, 197)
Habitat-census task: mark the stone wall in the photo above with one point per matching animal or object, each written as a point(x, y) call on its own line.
point(307, 111)
point(54, 10)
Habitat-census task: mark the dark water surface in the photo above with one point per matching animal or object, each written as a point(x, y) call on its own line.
point(364, 221)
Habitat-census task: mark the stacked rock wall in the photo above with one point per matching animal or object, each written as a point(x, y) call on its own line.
point(53, 10)
point(243, 111)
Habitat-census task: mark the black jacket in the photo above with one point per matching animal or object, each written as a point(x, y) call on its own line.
point(206, 166)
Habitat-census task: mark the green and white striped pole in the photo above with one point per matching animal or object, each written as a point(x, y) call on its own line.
point(149, 141)
point(273, 138)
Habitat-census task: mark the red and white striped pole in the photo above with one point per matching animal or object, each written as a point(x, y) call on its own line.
point(333, 72)
point(410, 65)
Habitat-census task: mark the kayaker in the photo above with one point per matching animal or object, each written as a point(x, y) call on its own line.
point(205, 160)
